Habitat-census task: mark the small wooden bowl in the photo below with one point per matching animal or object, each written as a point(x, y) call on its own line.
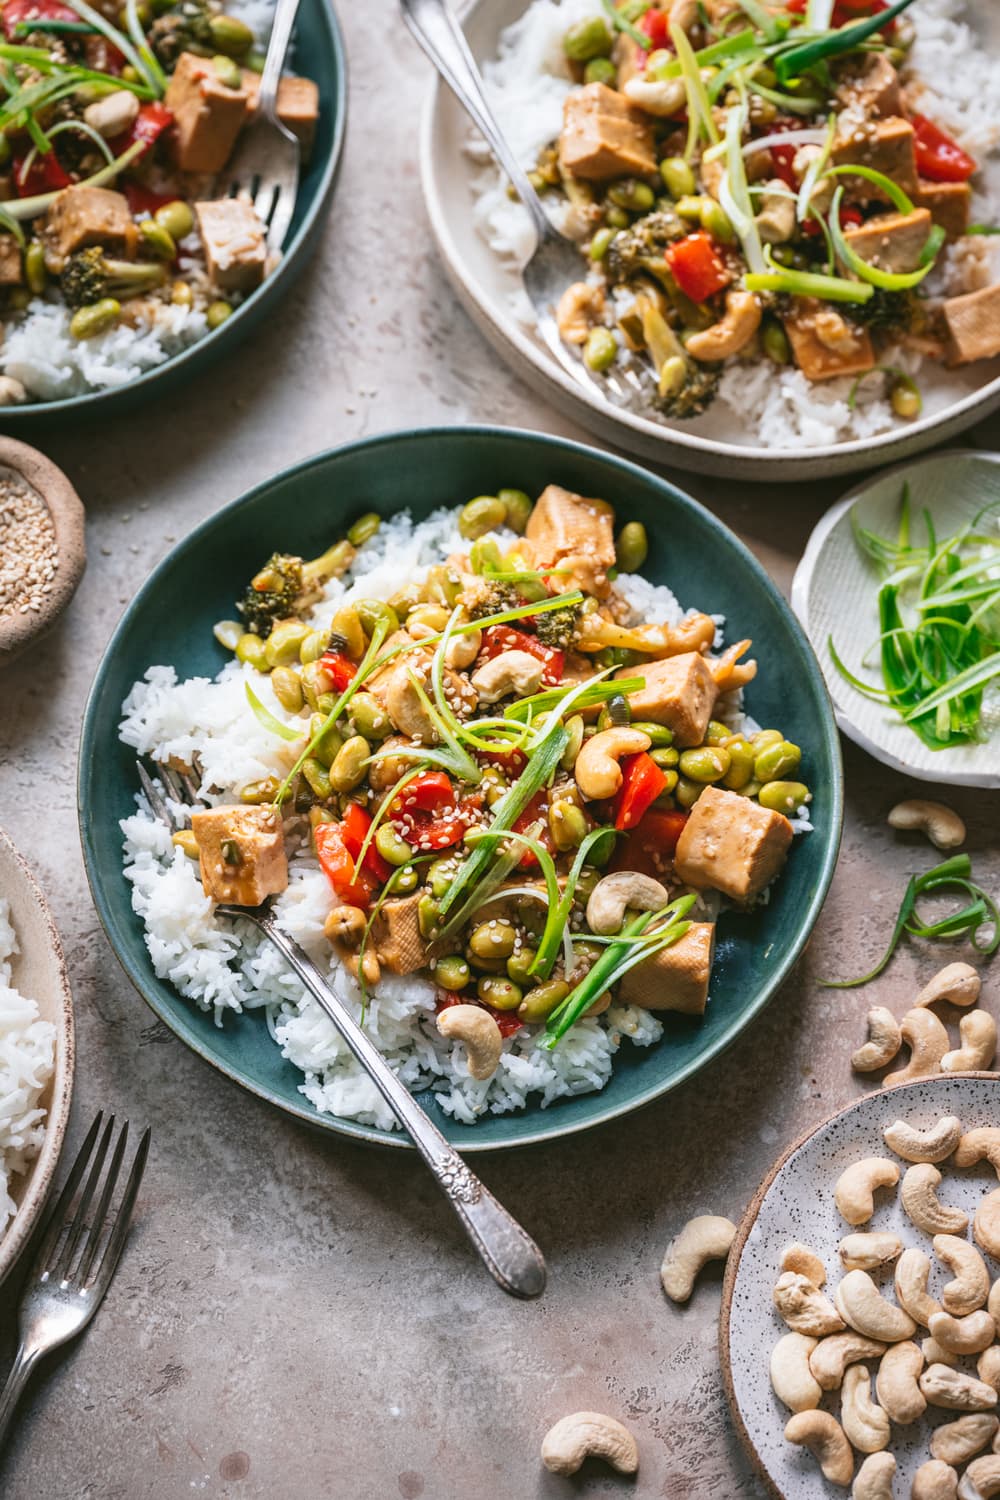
point(64, 506)
point(39, 972)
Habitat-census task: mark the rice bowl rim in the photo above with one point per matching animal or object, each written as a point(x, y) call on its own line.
point(673, 444)
point(118, 919)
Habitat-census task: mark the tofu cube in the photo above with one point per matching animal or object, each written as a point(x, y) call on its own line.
point(11, 270)
point(973, 324)
point(241, 852)
point(233, 240)
point(731, 844)
point(680, 692)
point(208, 114)
point(569, 531)
point(885, 145)
point(870, 85)
point(826, 344)
point(396, 936)
point(82, 216)
point(892, 242)
point(298, 105)
point(676, 978)
point(948, 204)
point(604, 136)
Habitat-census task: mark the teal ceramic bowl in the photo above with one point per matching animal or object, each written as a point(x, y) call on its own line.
point(171, 618)
point(318, 53)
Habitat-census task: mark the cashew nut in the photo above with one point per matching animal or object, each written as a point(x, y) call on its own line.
point(981, 1479)
point(956, 1391)
point(934, 1481)
point(703, 1238)
point(956, 1442)
point(959, 984)
point(862, 1306)
point(979, 1145)
point(587, 1434)
point(345, 924)
point(684, 13)
point(826, 1441)
point(614, 894)
point(463, 649)
point(804, 1307)
point(971, 1285)
point(806, 1262)
point(942, 826)
point(831, 1357)
point(656, 96)
point(928, 1042)
point(884, 1041)
point(869, 1252)
point(912, 1271)
point(579, 308)
point(988, 1366)
point(865, 1423)
point(993, 1303)
point(776, 215)
point(732, 333)
point(935, 1355)
point(979, 1044)
point(791, 1378)
point(896, 1382)
point(405, 708)
point(986, 1224)
point(924, 1145)
point(597, 771)
point(515, 672)
point(475, 1027)
point(358, 965)
point(874, 1478)
point(968, 1335)
point(854, 1193)
point(920, 1201)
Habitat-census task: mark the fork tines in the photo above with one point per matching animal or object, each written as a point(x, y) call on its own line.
point(85, 1234)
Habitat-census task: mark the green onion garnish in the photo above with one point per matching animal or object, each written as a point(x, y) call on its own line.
point(810, 284)
point(267, 718)
point(807, 54)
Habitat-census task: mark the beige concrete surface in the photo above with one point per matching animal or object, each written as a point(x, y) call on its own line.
point(294, 1317)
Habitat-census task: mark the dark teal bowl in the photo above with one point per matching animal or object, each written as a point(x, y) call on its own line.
point(171, 618)
point(317, 53)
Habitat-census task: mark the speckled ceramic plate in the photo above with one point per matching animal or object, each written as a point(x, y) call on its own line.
point(835, 593)
point(795, 1202)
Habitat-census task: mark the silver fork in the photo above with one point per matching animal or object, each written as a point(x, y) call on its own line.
point(509, 1254)
point(266, 165)
point(77, 1256)
point(556, 261)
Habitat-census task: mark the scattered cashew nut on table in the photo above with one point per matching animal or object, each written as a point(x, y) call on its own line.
point(703, 1238)
point(924, 1145)
point(979, 1044)
point(956, 1442)
point(896, 1383)
point(979, 1145)
point(956, 1391)
point(865, 1424)
point(597, 772)
point(942, 826)
point(986, 1224)
point(981, 1479)
point(804, 1307)
point(920, 1200)
point(804, 1262)
point(589, 1434)
point(959, 984)
point(862, 1306)
point(969, 1335)
point(971, 1286)
point(614, 894)
point(480, 1033)
point(826, 1441)
point(854, 1193)
point(934, 1481)
point(792, 1381)
point(912, 1272)
point(935, 1355)
point(928, 1042)
point(869, 1252)
point(831, 1357)
point(874, 1479)
point(884, 1041)
point(988, 1366)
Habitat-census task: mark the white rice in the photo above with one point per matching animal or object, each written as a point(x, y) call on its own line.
point(27, 1057)
point(758, 404)
point(225, 967)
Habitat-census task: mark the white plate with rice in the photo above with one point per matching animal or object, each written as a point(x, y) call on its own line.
point(36, 1053)
point(764, 425)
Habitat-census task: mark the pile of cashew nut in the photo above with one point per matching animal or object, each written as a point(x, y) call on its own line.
point(926, 1035)
point(834, 1340)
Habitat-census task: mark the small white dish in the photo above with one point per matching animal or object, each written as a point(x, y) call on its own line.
point(835, 592)
point(39, 971)
point(795, 1202)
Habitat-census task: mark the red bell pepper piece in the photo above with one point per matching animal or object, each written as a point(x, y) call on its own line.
point(427, 814)
point(150, 123)
point(850, 218)
point(642, 783)
point(431, 793)
point(526, 822)
point(650, 846)
point(500, 638)
point(512, 760)
point(354, 830)
point(16, 11)
point(141, 199)
point(697, 267)
point(939, 158)
point(340, 670)
point(844, 11)
point(337, 863)
point(45, 175)
point(653, 23)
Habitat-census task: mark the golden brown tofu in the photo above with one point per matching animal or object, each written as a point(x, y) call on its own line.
point(604, 136)
point(576, 534)
point(948, 203)
point(208, 114)
point(826, 344)
point(732, 845)
point(396, 936)
point(887, 146)
point(242, 853)
point(298, 105)
point(973, 324)
point(676, 978)
point(892, 242)
point(232, 238)
point(680, 692)
point(869, 85)
point(11, 269)
point(82, 216)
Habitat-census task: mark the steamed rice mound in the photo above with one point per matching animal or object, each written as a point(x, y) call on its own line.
point(27, 1058)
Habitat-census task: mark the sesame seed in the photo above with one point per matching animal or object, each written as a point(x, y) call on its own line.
point(27, 546)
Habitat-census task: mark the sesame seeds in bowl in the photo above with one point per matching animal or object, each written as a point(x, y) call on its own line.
point(42, 550)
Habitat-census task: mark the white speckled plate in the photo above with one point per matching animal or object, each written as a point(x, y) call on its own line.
point(795, 1202)
point(835, 592)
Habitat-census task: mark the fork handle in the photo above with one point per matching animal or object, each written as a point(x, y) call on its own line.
point(281, 34)
point(509, 1254)
point(433, 24)
point(20, 1372)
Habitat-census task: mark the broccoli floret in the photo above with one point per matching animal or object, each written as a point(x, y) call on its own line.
point(889, 312)
point(186, 28)
point(696, 394)
point(490, 596)
point(286, 584)
point(88, 276)
point(639, 249)
point(555, 627)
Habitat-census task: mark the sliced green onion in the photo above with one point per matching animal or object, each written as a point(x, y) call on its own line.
point(813, 172)
point(30, 208)
point(734, 195)
point(152, 67)
point(698, 102)
point(819, 14)
point(621, 23)
point(730, 46)
point(889, 281)
point(55, 28)
point(557, 920)
point(891, 189)
point(267, 718)
point(807, 54)
point(973, 677)
point(810, 284)
point(83, 128)
point(983, 229)
point(120, 40)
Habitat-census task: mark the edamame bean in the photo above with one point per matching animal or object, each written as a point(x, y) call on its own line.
point(256, 793)
point(783, 796)
point(493, 785)
point(666, 758)
point(687, 792)
point(600, 242)
point(631, 547)
point(181, 294)
point(452, 972)
point(501, 993)
point(587, 39)
point(364, 528)
point(765, 737)
point(34, 267)
point(434, 616)
point(775, 761)
point(312, 647)
point(741, 759)
point(615, 713)
point(428, 917)
point(519, 965)
point(493, 939)
point(317, 776)
point(217, 312)
point(88, 322)
point(368, 717)
point(542, 1000)
point(176, 218)
point(350, 764)
point(227, 71)
point(519, 507)
point(315, 682)
point(904, 399)
point(227, 633)
point(689, 207)
point(442, 584)
point(391, 846)
point(717, 733)
point(251, 649)
point(601, 349)
point(574, 728)
point(634, 196)
point(477, 517)
point(404, 880)
point(659, 735)
point(601, 70)
point(678, 178)
point(715, 221)
point(282, 645)
point(287, 688)
point(616, 217)
point(184, 839)
point(706, 764)
point(774, 342)
point(602, 849)
point(483, 554)
point(670, 785)
point(347, 624)
point(567, 824)
point(370, 611)
point(327, 741)
point(440, 875)
point(157, 240)
point(406, 599)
